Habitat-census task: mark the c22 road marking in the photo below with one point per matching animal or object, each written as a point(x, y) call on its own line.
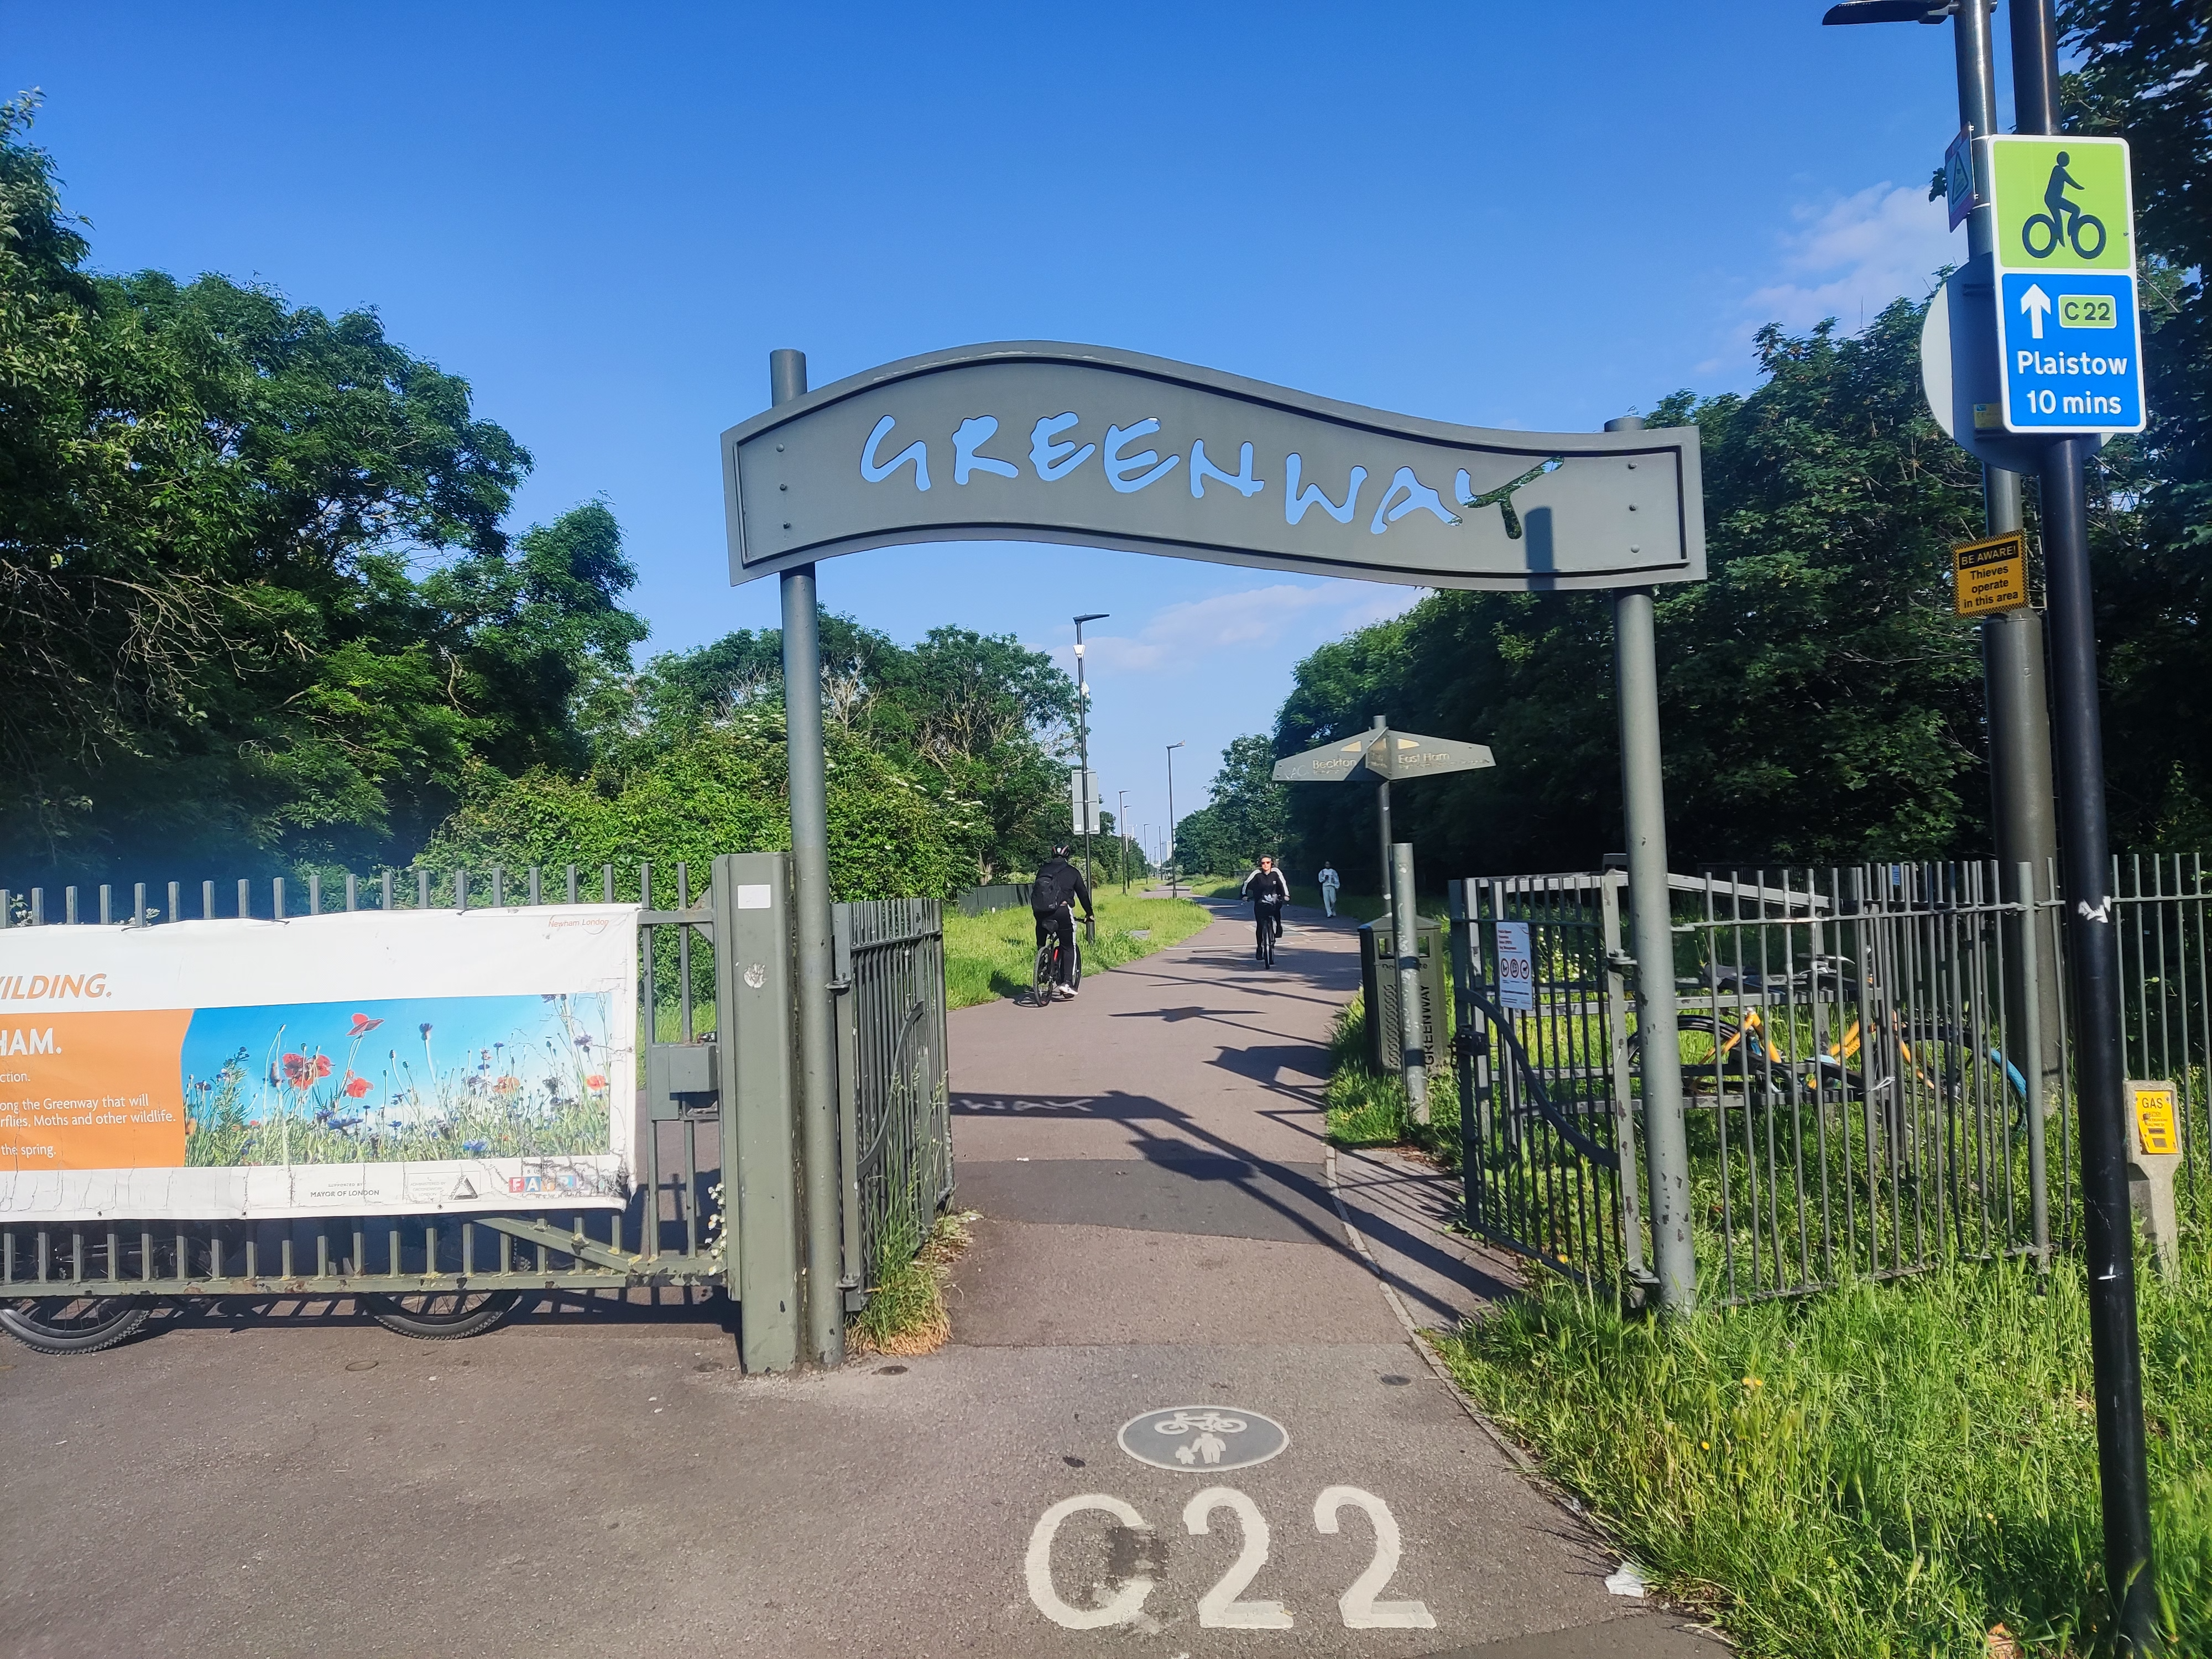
point(1219, 1608)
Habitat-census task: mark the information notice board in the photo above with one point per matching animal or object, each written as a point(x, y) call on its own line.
point(364, 1063)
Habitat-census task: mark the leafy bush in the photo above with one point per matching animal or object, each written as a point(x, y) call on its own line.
point(720, 789)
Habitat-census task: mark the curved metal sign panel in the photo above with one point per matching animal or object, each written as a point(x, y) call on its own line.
point(1036, 441)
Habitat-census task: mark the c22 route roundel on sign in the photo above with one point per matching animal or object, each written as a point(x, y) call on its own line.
point(1202, 1439)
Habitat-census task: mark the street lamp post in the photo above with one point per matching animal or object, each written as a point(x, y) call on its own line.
point(1122, 828)
point(1083, 740)
point(1172, 871)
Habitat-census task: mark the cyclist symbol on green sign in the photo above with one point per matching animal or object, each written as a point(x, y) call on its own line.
point(2065, 218)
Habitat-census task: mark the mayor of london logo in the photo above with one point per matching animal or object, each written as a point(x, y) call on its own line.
point(1203, 1439)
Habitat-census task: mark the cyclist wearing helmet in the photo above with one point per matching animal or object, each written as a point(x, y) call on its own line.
point(1268, 892)
point(1058, 883)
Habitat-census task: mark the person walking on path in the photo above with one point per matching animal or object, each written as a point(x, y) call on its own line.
point(1330, 881)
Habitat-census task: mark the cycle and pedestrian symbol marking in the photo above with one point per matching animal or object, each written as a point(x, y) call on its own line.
point(1202, 1439)
point(2068, 346)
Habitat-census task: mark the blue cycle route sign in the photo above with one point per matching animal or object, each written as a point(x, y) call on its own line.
point(2069, 343)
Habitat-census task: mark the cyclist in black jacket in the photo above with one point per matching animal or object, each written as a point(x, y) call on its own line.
point(1269, 893)
point(1057, 882)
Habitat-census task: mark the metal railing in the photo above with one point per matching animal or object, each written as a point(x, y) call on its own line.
point(1856, 1070)
point(1874, 1065)
point(2165, 960)
point(894, 1092)
point(1547, 1146)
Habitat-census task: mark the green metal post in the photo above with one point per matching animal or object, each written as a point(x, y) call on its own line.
point(808, 764)
point(1644, 797)
point(1405, 923)
point(756, 1023)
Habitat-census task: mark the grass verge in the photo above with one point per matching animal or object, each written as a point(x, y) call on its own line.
point(905, 1313)
point(1895, 1469)
point(1366, 1108)
point(991, 955)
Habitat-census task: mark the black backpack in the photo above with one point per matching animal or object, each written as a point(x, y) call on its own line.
point(1054, 886)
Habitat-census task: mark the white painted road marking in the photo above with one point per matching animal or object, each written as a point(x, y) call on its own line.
point(1202, 1439)
point(1122, 1607)
point(1360, 1609)
point(1219, 1608)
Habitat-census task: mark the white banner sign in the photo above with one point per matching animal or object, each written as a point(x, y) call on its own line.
point(366, 1063)
point(1517, 968)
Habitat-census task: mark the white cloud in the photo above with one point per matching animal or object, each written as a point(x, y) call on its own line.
point(1847, 259)
point(1255, 618)
point(1850, 259)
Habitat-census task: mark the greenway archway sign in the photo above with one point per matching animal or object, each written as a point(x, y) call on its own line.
point(1038, 441)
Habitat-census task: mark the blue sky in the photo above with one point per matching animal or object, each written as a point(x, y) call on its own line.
point(605, 217)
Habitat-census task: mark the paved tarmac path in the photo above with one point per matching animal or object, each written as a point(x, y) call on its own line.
point(1159, 1231)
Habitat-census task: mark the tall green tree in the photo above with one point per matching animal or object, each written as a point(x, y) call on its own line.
point(979, 721)
point(1819, 701)
point(1248, 815)
point(256, 604)
point(2144, 72)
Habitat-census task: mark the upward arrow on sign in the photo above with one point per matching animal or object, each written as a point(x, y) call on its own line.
point(2035, 305)
point(1384, 757)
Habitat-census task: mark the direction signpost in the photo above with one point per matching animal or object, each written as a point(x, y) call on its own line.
point(2045, 363)
point(1382, 756)
point(2069, 346)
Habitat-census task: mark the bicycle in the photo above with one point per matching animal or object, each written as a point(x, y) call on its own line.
point(1744, 1052)
point(1045, 976)
point(1269, 914)
point(2072, 232)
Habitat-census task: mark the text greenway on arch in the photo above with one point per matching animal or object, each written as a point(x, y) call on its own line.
point(1053, 458)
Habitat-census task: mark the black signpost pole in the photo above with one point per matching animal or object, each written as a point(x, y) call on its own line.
point(2092, 956)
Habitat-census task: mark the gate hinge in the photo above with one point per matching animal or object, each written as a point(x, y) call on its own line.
point(1621, 962)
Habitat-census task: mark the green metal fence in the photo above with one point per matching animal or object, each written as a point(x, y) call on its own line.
point(1876, 1066)
point(1541, 1023)
point(894, 1085)
point(895, 1145)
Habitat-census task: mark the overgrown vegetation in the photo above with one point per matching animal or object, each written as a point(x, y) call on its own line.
point(905, 1315)
point(1367, 1108)
point(994, 955)
point(1890, 1468)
